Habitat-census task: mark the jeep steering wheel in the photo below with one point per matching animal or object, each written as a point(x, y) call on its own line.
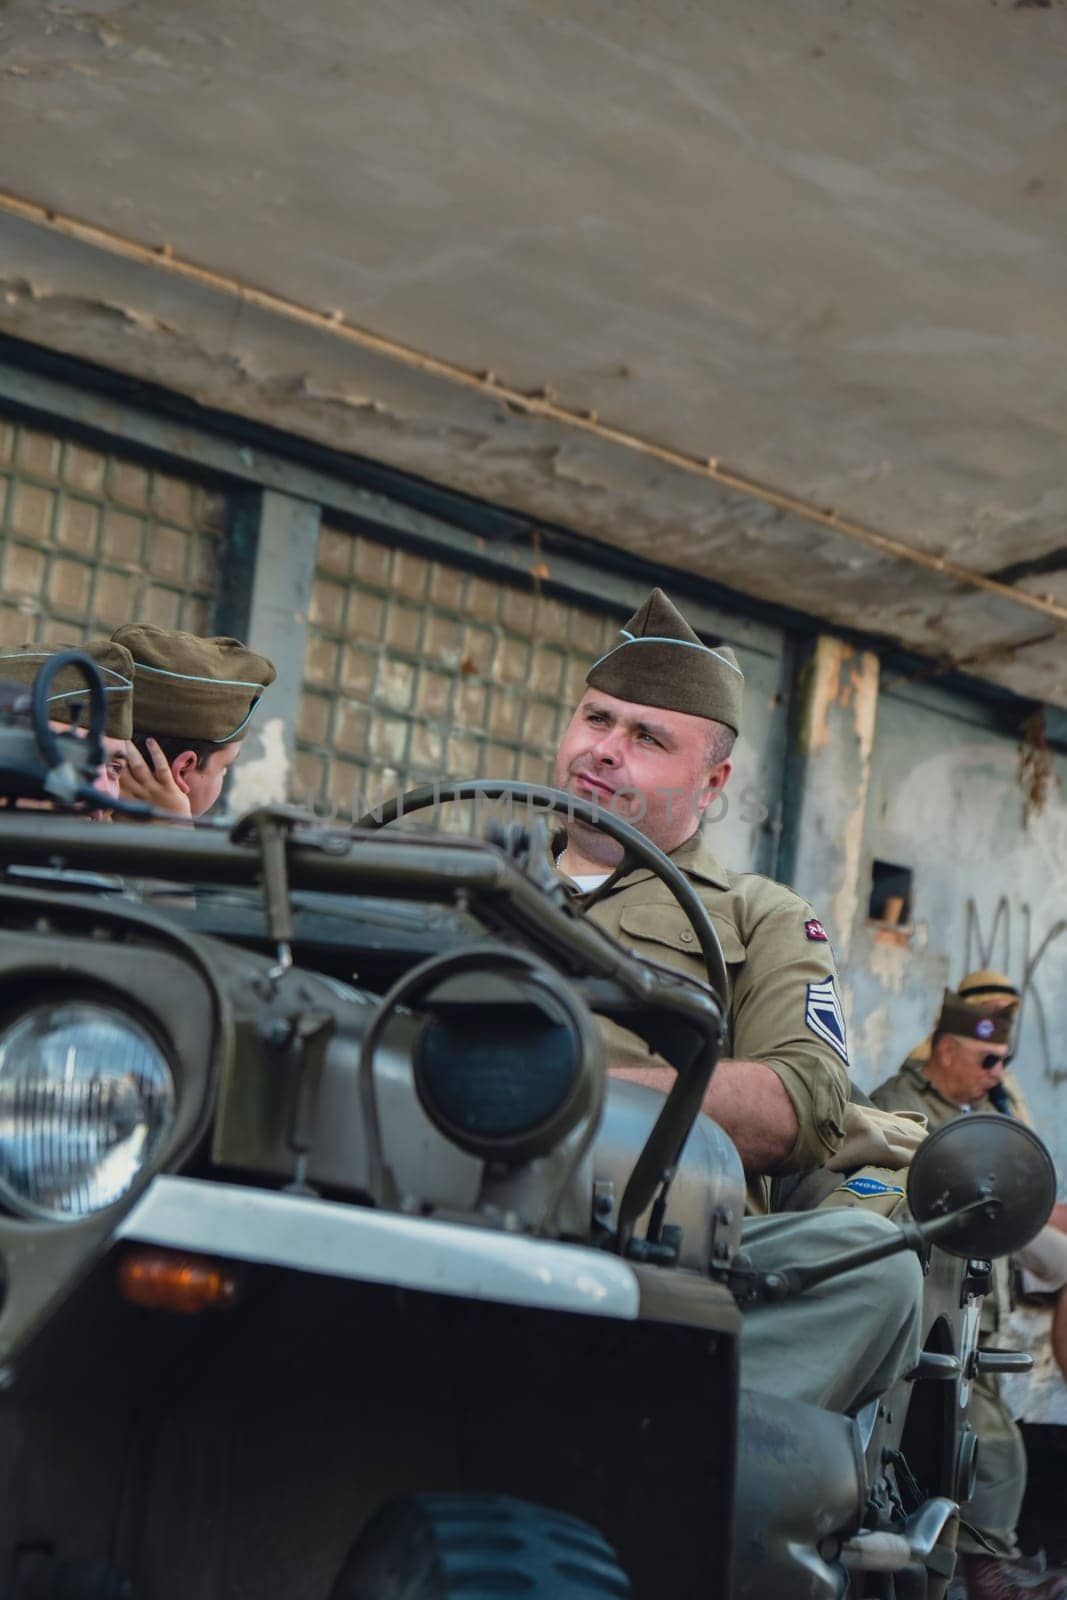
point(637, 850)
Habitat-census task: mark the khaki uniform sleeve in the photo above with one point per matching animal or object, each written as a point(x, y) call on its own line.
point(771, 968)
point(787, 1013)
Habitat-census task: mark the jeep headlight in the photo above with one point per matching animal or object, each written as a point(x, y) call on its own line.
point(86, 1099)
point(507, 1081)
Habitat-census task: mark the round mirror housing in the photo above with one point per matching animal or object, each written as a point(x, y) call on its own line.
point(989, 1157)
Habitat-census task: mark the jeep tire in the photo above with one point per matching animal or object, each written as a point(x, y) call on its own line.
point(436, 1546)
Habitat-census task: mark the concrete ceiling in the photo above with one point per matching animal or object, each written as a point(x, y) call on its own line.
point(820, 244)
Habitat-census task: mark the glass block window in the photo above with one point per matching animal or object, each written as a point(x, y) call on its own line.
point(89, 540)
point(416, 670)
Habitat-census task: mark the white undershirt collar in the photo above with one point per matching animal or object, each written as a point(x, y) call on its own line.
point(588, 881)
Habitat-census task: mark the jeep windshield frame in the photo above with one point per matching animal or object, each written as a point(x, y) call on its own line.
point(679, 1016)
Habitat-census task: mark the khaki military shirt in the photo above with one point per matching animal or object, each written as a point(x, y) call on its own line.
point(920, 1055)
point(784, 1008)
point(911, 1090)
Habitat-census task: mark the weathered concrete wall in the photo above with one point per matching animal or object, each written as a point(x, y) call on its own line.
point(276, 622)
point(913, 777)
point(827, 778)
point(945, 800)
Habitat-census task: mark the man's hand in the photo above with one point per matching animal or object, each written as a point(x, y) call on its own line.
point(155, 785)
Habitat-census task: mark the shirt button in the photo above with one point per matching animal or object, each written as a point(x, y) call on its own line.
point(687, 935)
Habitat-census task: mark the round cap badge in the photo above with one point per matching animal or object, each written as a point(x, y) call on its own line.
point(984, 1027)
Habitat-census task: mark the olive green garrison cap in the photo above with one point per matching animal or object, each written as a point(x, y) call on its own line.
point(659, 661)
point(971, 1021)
point(69, 697)
point(187, 687)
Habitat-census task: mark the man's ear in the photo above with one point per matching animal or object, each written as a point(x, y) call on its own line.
point(718, 775)
point(943, 1051)
point(180, 766)
point(714, 783)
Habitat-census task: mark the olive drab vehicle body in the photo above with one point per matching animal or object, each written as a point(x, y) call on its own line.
point(333, 1260)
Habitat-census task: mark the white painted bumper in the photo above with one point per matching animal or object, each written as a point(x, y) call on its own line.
point(342, 1241)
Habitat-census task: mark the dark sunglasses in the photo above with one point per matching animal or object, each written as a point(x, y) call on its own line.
point(993, 1060)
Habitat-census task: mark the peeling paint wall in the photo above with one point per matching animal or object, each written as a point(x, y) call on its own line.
point(830, 773)
point(944, 800)
point(264, 771)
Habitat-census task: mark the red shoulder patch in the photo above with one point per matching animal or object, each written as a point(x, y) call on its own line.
point(815, 930)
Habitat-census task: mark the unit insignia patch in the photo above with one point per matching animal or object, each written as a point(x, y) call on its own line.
point(866, 1188)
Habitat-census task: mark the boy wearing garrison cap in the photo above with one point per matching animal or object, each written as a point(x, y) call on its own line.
point(650, 740)
point(69, 702)
point(193, 700)
point(961, 1068)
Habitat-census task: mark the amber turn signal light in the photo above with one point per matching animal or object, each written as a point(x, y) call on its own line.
point(167, 1280)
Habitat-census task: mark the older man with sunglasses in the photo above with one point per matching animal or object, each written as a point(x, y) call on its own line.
point(959, 1070)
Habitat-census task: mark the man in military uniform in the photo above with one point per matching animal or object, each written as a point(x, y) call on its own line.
point(193, 699)
point(68, 701)
point(960, 1069)
point(993, 992)
point(651, 741)
point(1046, 1256)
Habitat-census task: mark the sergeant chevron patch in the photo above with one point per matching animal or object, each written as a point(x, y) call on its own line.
point(824, 1016)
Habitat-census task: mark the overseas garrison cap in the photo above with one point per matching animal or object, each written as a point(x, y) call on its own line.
point(976, 988)
point(69, 699)
point(659, 661)
point(186, 687)
point(971, 1021)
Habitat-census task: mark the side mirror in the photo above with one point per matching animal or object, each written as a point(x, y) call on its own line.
point(983, 1157)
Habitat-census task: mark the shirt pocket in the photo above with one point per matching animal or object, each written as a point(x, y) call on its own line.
point(667, 926)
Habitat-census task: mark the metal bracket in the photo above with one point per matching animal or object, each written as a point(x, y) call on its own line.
point(977, 1280)
point(270, 830)
point(301, 1040)
point(937, 1365)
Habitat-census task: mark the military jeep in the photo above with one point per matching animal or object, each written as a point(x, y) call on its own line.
point(334, 1267)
